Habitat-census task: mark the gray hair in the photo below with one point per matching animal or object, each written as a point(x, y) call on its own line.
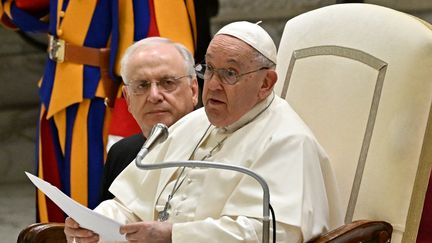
point(150, 41)
point(263, 60)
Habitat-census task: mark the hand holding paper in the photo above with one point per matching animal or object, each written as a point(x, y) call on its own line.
point(107, 228)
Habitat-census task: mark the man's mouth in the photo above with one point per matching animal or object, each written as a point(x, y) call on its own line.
point(157, 112)
point(213, 101)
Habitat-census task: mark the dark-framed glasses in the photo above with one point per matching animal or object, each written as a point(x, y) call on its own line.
point(163, 85)
point(226, 76)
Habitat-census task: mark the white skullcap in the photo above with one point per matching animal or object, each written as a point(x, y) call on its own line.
point(252, 34)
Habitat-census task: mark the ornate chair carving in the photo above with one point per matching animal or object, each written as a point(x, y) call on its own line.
point(360, 76)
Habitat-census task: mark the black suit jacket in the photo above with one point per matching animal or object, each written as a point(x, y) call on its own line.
point(119, 156)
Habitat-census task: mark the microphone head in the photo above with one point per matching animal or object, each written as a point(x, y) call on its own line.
point(158, 134)
point(162, 129)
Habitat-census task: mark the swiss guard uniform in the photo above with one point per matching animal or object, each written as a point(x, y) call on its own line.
point(80, 89)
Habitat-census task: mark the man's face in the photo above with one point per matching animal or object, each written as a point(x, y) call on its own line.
point(224, 104)
point(154, 64)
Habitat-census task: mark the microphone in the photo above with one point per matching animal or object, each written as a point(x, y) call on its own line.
point(223, 166)
point(158, 134)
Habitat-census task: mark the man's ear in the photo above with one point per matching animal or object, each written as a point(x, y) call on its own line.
point(195, 91)
point(268, 83)
point(126, 96)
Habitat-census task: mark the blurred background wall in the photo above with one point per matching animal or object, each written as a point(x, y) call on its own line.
point(21, 65)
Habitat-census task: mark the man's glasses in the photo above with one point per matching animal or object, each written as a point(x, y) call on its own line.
point(163, 85)
point(226, 76)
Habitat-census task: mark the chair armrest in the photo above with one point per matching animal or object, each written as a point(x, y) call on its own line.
point(358, 231)
point(42, 233)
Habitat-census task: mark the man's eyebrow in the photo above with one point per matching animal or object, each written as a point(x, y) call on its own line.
point(140, 81)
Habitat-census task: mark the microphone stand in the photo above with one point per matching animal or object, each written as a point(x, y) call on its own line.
point(202, 164)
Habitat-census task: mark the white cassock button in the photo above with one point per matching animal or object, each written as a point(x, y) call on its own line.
point(183, 197)
point(189, 180)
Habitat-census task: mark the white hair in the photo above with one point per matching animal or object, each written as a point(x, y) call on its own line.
point(263, 60)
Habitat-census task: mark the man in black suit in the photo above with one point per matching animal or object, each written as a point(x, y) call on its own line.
point(119, 156)
point(160, 86)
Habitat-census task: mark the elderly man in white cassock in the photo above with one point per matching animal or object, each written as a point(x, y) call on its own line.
point(242, 123)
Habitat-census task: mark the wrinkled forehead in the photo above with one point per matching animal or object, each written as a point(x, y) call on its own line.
point(163, 50)
point(155, 63)
point(158, 54)
point(230, 50)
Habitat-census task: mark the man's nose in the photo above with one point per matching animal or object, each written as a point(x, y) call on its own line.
point(154, 94)
point(214, 82)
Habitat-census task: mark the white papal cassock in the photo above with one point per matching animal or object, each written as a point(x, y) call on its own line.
point(224, 206)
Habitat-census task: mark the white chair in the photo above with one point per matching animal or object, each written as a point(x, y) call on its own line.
point(360, 75)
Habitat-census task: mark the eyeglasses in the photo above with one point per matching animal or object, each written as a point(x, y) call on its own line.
point(163, 85)
point(226, 76)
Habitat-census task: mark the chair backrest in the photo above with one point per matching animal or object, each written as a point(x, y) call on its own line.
point(360, 75)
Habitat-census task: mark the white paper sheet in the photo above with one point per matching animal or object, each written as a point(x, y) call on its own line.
point(107, 228)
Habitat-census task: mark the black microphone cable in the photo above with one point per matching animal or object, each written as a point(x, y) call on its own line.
point(273, 222)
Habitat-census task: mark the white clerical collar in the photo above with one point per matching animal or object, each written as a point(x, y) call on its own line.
point(249, 116)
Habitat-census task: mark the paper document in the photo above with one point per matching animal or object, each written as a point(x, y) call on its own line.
point(107, 228)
